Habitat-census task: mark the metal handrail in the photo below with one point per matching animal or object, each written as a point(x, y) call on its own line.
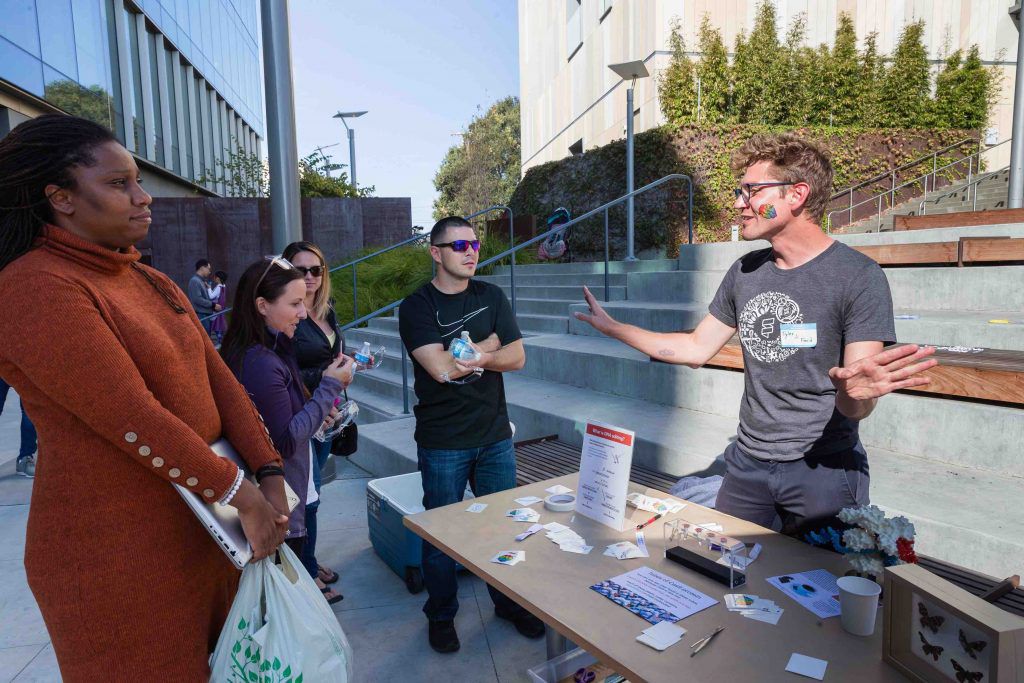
point(533, 240)
point(974, 206)
point(891, 192)
point(933, 156)
point(397, 245)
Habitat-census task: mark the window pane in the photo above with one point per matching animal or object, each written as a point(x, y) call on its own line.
point(57, 35)
point(172, 106)
point(136, 81)
point(91, 43)
point(91, 103)
point(19, 26)
point(117, 115)
point(21, 68)
point(158, 103)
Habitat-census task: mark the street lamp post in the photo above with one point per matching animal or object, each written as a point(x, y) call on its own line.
point(629, 71)
point(1016, 188)
point(351, 141)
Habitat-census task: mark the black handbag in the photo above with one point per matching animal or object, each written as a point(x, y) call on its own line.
point(347, 441)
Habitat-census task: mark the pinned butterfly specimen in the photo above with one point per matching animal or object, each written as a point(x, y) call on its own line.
point(930, 622)
point(965, 676)
point(929, 649)
point(970, 647)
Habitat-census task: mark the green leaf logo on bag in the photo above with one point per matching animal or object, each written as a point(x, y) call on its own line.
point(252, 667)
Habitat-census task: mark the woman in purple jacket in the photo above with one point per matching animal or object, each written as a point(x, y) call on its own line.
point(269, 304)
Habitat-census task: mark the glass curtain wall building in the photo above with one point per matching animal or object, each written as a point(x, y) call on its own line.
point(179, 81)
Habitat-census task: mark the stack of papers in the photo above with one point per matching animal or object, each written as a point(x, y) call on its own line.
point(567, 539)
point(662, 635)
point(663, 506)
point(524, 515)
point(754, 607)
point(816, 590)
point(624, 550)
point(528, 500)
point(558, 488)
point(509, 557)
point(534, 528)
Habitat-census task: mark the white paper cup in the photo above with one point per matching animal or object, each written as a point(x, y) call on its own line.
point(858, 602)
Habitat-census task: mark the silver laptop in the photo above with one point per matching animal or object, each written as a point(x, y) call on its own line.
point(222, 520)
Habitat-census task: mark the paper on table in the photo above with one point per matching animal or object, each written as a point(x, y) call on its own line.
point(807, 666)
point(477, 507)
point(641, 543)
point(529, 532)
point(815, 590)
point(558, 488)
point(604, 474)
point(653, 595)
point(662, 635)
point(624, 550)
point(523, 515)
point(528, 500)
point(760, 615)
point(509, 557)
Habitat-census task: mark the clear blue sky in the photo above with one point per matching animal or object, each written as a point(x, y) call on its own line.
point(419, 68)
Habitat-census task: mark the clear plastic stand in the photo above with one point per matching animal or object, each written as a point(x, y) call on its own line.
point(347, 412)
point(712, 545)
point(371, 361)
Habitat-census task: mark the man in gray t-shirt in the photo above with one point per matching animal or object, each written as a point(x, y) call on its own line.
point(813, 318)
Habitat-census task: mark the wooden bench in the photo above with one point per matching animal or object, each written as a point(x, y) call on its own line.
point(988, 375)
point(541, 459)
point(962, 219)
point(966, 251)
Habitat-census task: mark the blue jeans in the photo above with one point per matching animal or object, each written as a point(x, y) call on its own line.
point(321, 450)
point(487, 469)
point(28, 430)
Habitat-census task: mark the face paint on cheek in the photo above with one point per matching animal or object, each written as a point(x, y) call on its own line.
point(767, 211)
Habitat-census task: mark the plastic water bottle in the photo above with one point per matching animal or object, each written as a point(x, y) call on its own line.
point(362, 357)
point(462, 350)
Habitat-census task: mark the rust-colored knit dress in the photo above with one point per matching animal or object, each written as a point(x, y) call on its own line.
point(126, 392)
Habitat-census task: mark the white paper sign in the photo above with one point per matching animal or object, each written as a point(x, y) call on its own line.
point(604, 474)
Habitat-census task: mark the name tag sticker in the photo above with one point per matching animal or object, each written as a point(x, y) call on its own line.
point(802, 336)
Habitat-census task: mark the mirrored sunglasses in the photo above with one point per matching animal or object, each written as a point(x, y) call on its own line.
point(461, 245)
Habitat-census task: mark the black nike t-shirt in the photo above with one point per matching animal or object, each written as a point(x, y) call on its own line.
point(458, 416)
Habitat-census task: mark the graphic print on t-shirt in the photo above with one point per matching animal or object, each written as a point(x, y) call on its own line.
point(448, 329)
point(760, 323)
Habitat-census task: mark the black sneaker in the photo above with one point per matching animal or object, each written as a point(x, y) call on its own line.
point(527, 624)
point(443, 637)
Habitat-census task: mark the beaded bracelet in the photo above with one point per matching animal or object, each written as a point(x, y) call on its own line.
point(234, 488)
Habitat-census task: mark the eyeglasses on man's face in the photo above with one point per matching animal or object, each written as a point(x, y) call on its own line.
point(461, 245)
point(747, 190)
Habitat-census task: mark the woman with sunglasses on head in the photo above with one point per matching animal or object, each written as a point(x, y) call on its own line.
point(269, 305)
point(317, 342)
point(126, 391)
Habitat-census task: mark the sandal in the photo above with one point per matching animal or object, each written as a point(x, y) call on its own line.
point(337, 597)
point(326, 575)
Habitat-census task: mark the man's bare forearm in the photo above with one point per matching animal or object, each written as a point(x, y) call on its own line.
point(670, 347)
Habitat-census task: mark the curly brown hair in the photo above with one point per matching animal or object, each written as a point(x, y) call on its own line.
point(793, 160)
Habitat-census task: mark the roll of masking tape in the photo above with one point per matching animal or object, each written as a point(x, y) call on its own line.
point(560, 502)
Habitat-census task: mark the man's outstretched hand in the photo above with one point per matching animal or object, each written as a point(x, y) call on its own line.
point(598, 318)
point(884, 373)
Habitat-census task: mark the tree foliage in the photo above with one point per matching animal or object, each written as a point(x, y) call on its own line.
point(790, 83)
point(484, 169)
point(315, 179)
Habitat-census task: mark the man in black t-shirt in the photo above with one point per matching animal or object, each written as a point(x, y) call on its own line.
point(462, 428)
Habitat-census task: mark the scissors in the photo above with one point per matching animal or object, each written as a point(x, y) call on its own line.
point(583, 675)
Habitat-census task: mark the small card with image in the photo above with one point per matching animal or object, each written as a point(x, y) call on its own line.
point(477, 507)
point(509, 557)
point(523, 515)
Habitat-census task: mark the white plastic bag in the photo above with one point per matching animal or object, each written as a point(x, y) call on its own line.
point(280, 629)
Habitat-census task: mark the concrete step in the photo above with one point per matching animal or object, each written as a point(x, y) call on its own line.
point(941, 430)
point(651, 315)
point(553, 307)
point(588, 267)
point(966, 329)
point(959, 513)
point(544, 280)
point(536, 323)
point(939, 288)
point(616, 293)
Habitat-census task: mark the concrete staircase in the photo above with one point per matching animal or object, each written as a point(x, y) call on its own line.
point(953, 467)
point(956, 198)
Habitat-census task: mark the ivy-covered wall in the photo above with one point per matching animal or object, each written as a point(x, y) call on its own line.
point(584, 182)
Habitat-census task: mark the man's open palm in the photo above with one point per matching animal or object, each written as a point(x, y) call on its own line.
point(884, 373)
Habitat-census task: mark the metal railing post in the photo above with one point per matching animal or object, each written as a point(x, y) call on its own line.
point(355, 292)
point(511, 245)
point(892, 192)
point(607, 289)
point(878, 225)
point(935, 168)
point(849, 221)
point(689, 207)
point(405, 383)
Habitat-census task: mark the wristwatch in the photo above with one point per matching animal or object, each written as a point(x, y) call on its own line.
point(445, 378)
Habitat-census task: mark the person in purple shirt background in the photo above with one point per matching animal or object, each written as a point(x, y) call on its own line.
point(219, 296)
point(269, 303)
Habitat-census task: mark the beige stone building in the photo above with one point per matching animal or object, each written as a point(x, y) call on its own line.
point(571, 101)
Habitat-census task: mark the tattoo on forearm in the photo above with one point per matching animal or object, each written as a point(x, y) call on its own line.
point(666, 352)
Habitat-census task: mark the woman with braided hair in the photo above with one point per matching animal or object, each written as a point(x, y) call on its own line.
point(126, 391)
